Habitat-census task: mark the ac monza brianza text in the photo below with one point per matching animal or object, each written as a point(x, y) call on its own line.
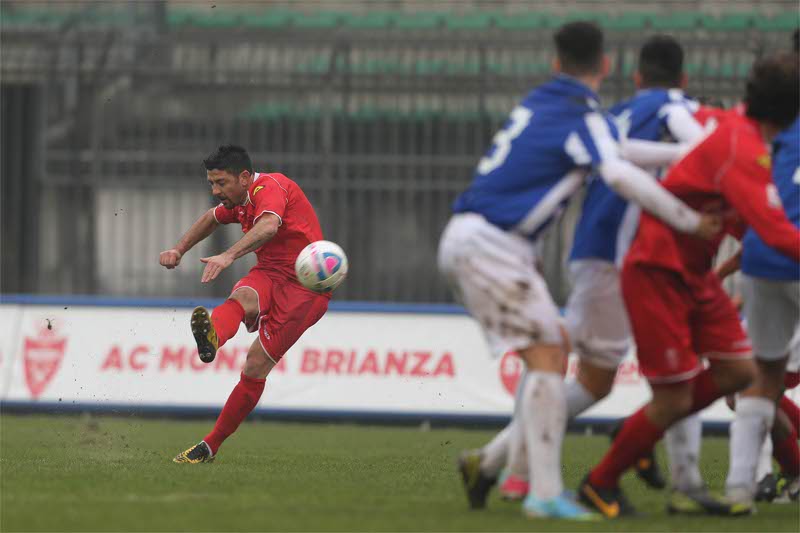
point(332, 361)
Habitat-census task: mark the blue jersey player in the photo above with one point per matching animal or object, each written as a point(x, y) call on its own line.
point(553, 139)
point(771, 293)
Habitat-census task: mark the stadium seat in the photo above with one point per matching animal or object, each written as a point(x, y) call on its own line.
point(782, 22)
point(676, 21)
point(373, 20)
point(320, 20)
point(418, 21)
point(729, 22)
point(628, 21)
point(521, 21)
point(268, 19)
point(469, 21)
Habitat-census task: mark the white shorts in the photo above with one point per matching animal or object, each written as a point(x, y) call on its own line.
point(493, 273)
point(597, 321)
point(772, 309)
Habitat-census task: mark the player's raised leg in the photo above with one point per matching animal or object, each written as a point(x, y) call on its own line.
point(212, 330)
point(240, 403)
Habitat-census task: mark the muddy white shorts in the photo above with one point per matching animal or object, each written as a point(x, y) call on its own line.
point(772, 309)
point(596, 318)
point(494, 275)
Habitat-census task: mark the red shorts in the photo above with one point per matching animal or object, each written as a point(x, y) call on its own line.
point(286, 310)
point(676, 324)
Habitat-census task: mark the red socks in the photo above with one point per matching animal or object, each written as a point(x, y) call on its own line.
point(787, 453)
point(792, 411)
point(242, 400)
point(226, 319)
point(636, 438)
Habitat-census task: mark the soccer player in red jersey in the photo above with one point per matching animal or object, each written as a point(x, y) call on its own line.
point(278, 222)
point(679, 312)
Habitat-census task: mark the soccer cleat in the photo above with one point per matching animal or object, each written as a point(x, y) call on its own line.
point(787, 489)
point(766, 490)
point(702, 501)
point(513, 488)
point(564, 507)
point(476, 483)
point(611, 503)
point(204, 334)
point(199, 453)
point(646, 467)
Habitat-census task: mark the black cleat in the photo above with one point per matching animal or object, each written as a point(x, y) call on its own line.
point(199, 453)
point(476, 484)
point(646, 467)
point(204, 334)
point(767, 489)
point(611, 503)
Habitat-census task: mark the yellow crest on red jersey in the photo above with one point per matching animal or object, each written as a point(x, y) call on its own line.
point(764, 160)
point(255, 191)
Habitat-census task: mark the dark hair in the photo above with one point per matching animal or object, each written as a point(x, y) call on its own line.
point(579, 46)
point(772, 93)
point(661, 62)
point(230, 158)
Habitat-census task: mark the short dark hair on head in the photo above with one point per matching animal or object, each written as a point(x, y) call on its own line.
point(230, 158)
point(579, 46)
point(772, 93)
point(661, 62)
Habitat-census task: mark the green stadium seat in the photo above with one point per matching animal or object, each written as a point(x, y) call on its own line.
point(418, 21)
point(469, 21)
point(729, 22)
point(631, 21)
point(321, 20)
point(215, 18)
point(520, 21)
point(677, 21)
point(373, 20)
point(784, 22)
point(272, 19)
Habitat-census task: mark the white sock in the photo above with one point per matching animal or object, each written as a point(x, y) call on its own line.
point(750, 426)
point(544, 419)
point(500, 450)
point(517, 460)
point(764, 460)
point(682, 440)
point(578, 399)
point(495, 454)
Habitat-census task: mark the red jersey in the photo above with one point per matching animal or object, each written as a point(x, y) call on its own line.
point(727, 173)
point(299, 226)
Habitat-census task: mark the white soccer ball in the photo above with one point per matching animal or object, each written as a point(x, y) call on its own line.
point(321, 266)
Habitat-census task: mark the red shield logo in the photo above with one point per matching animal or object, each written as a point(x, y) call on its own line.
point(510, 371)
point(42, 357)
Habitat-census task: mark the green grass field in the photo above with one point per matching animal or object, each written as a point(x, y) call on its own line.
point(116, 474)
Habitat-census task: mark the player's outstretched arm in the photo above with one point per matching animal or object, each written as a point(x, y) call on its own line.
point(644, 153)
point(262, 231)
point(639, 187)
point(202, 228)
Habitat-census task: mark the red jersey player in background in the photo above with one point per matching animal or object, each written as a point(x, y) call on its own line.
point(278, 222)
point(679, 312)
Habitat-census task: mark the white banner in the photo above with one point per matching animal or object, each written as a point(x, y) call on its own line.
point(380, 362)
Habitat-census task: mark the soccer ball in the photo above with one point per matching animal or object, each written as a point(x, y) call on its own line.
point(321, 266)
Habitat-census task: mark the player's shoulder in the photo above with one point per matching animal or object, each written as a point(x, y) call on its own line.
point(268, 180)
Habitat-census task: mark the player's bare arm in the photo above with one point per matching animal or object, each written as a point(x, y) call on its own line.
point(202, 228)
point(262, 231)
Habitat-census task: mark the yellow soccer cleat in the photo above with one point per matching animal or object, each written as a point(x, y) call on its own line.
point(204, 334)
point(199, 453)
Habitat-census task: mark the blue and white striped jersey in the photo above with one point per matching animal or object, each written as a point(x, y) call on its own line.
point(758, 259)
point(651, 115)
point(541, 157)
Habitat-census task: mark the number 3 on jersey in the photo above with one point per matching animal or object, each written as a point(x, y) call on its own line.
point(518, 120)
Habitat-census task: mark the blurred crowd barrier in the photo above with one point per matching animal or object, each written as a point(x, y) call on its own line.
point(378, 110)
